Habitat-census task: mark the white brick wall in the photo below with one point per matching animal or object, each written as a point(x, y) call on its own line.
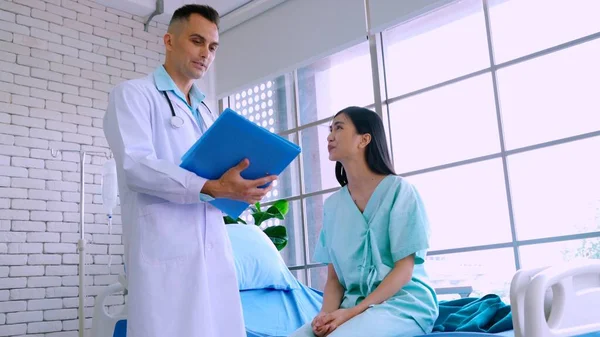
point(58, 61)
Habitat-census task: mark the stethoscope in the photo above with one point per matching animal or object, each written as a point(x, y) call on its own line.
point(176, 121)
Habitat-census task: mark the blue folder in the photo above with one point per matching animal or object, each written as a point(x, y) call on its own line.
point(226, 143)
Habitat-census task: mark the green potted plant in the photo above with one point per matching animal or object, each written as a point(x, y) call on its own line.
point(278, 210)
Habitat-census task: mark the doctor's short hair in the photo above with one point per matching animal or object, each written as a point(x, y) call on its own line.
point(184, 13)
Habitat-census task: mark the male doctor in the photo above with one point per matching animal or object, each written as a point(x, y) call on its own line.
point(180, 271)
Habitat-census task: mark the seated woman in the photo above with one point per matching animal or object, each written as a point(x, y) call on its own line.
point(374, 239)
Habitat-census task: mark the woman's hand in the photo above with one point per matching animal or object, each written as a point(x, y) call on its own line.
point(319, 328)
point(331, 321)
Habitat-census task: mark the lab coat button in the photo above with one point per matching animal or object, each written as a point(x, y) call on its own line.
point(209, 246)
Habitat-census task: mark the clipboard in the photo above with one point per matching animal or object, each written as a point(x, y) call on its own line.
point(227, 142)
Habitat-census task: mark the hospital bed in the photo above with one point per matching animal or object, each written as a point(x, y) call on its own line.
point(556, 301)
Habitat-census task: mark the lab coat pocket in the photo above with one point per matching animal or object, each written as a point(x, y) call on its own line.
point(168, 232)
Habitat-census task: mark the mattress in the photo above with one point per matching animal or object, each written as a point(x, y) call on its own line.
point(479, 334)
point(470, 334)
point(278, 313)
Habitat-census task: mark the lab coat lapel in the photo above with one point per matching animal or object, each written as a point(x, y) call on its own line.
point(206, 114)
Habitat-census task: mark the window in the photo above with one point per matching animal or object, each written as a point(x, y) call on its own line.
point(527, 26)
point(318, 277)
point(556, 190)
point(558, 252)
point(271, 105)
point(267, 104)
point(554, 95)
point(319, 171)
point(466, 205)
point(314, 218)
point(335, 82)
point(503, 150)
point(322, 90)
point(450, 124)
point(487, 271)
point(492, 118)
point(434, 48)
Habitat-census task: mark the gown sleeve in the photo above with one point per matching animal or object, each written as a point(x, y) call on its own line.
point(409, 225)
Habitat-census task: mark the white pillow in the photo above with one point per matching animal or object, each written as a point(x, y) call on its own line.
point(258, 263)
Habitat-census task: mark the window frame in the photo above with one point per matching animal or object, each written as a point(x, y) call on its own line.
point(381, 106)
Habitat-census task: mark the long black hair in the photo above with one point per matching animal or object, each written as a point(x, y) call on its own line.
point(377, 154)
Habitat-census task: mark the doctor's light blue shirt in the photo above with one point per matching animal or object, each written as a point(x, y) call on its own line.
point(164, 82)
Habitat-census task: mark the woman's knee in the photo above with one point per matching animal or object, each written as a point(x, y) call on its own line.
point(371, 323)
point(303, 331)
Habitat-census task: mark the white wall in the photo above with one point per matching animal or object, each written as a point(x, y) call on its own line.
point(58, 61)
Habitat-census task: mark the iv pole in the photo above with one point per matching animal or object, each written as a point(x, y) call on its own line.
point(81, 243)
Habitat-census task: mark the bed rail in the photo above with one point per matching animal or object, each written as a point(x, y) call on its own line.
point(558, 301)
point(103, 322)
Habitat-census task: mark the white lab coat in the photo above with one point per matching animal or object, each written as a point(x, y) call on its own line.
point(178, 257)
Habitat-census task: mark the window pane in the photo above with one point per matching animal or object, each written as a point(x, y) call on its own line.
point(288, 182)
point(293, 253)
point(318, 277)
point(521, 27)
point(449, 124)
point(445, 44)
point(300, 275)
point(334, 83)
point(547, 254)
point(487, 271)
point(319, 171)
point(268, 104)
point(554, 95)
point(466, 205)
point(314, 221)
point(556, 190)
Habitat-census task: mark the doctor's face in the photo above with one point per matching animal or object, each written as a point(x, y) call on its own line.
point(192, 46)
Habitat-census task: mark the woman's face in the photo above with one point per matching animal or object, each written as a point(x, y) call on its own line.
point(344, 142)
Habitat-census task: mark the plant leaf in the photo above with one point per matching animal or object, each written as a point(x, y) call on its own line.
point(229, 220)
point(276, 231)
point(278, 235)
point(260, 217)
point(279, 243)
point(279, 209)
point(280, 206)
point(257, 205)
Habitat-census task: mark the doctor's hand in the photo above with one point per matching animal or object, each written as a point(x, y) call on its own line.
point(232, 185)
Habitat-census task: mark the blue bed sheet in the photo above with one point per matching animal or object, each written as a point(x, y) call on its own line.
point(278, 313)
point(479, 334)
point(509, 333)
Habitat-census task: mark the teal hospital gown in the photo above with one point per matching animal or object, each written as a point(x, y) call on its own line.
point(363, 247)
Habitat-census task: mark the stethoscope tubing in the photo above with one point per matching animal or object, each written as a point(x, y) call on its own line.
point(176, 121)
